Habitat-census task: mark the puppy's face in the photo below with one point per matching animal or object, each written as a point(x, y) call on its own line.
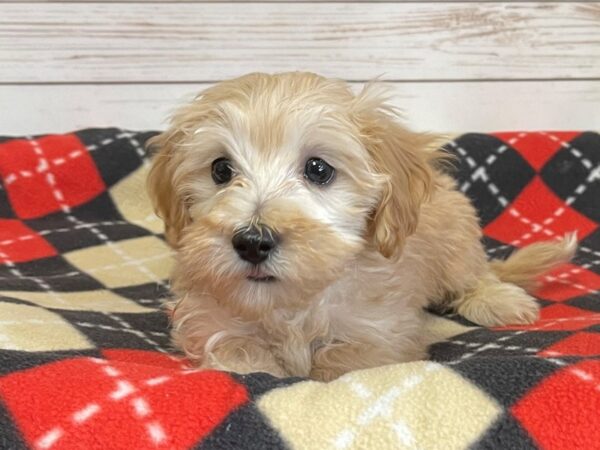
point(271, 185)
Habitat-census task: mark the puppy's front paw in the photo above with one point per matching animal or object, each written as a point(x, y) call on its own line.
point(499, 304)
point(242, 365)
point(326, 373)
point(519, 309)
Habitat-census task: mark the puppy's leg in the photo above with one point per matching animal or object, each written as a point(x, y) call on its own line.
point(493, 303)
point(212, 339)
point(243, 355)
point(499, 297)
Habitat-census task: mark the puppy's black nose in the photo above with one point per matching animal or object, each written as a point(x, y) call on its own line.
point(255, 244)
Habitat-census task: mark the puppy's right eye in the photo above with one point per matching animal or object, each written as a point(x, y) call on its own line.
point(318, 171)
point(221, 171)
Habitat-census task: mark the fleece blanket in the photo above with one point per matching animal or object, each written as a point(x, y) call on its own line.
point(85, 359)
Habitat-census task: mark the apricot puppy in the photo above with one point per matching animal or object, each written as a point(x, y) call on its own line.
point(311, 228)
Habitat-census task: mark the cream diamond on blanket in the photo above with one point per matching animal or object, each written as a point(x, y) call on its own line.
point(133, 203)
point(125, 263)
point(100, 300)
point(383, 408)
point(437, 329)
point(33, 329)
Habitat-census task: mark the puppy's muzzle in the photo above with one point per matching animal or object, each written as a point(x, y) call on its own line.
point(255, 244)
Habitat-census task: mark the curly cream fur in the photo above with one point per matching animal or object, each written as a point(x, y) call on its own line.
point(358, 259)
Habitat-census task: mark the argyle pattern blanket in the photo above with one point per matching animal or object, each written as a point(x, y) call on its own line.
point(85, 359)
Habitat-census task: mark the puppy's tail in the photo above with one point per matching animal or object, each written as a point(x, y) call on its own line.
point(525, 266)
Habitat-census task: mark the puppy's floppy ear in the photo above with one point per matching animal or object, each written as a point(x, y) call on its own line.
point(404, 160)
point(164, 181)
point(167, 202)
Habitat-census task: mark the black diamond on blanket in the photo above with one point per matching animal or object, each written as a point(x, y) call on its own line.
point(86, 362)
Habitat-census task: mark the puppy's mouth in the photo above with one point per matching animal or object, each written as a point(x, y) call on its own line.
point(259, 276)
point(262, 279)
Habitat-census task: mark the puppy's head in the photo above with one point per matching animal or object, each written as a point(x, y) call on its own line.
point(271, 185)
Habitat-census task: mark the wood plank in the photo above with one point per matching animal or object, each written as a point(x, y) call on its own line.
point(50, 42)
point(275, 1)
point(457, 106)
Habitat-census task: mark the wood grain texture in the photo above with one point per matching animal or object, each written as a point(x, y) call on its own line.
point(160, 42)
point(272, 1)
point(452, 107)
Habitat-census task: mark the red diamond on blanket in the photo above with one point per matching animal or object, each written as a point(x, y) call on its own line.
point(95, 403)
point(145, 357)
point(580, 344)
point(568, 281)
point(537, 148)
point(38, 174)
point(562, 411)
point(537, 214)
point(563, 317)
point(20, 243)
point(559, 317)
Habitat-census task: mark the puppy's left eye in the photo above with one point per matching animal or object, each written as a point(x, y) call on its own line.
point(318, 171)
point(221, 171)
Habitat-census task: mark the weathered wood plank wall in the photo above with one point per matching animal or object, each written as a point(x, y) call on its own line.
point(456, 66)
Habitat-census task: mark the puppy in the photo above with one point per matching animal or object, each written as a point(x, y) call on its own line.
point(311, 229)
